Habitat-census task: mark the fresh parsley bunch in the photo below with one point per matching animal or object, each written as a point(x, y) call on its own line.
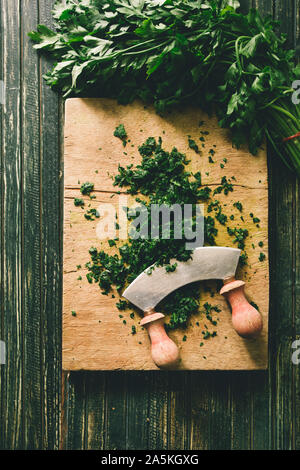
point(177, 52)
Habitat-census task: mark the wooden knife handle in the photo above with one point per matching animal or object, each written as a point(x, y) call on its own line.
point(164, 351)
point(246, 320)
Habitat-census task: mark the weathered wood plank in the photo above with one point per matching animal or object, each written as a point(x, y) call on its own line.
point(211, 411)
point(220, 418)
point(2, 330)
point(296, 368)
point(241, 411)
point(96, 410)
point(283, 291)
point(75, 437)
point(180, 410)
point(64, 418)
point(158, 410)
point(285, 12)
point(116, 416)
point(264, 6)
point(281, 307)
point(138, 385)
point(33, 360)
point(297, 398)
point(261, 417)
point(51, 230)
point(12, 395)
point(201, 389)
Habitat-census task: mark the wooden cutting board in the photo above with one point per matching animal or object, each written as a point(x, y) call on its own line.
point(97, 338)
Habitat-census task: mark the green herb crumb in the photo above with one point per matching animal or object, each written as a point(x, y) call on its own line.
point(193, 145)
point(122, 305)
point(87, 188)
point(78, 202)
point(91, 214)
point(171, 267)
point(243, 259)
point(121, 134)
point(238, 205)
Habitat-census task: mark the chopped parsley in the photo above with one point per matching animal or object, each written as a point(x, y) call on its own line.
point(160, 178)
point(240, 235)
point(243, 259)
point(171, 267)
point(262, 257)
point(121, 134)
point(226, 187)
point(238, 205)
point(133, 330)
point(78, 202)
point(221, 218)
point(122, 305)
point(91, 214)
point(87, 188)
point(193, 145)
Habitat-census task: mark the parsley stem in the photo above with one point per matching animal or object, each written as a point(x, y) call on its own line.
point(287, 113)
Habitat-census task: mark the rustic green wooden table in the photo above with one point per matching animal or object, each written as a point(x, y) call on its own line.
point(43, 409)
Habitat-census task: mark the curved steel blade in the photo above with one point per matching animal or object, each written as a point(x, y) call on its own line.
point(146, 291)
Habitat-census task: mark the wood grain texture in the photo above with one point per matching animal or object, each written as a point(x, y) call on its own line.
point(2, 328)
point(284, 205)
point(51, 247)
point(96, 410)
point(137, 410)
point(180, 411)
point(32, 222)
point(96, 338)
point(266, 416)
point(13, 392)
point(30, 409)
